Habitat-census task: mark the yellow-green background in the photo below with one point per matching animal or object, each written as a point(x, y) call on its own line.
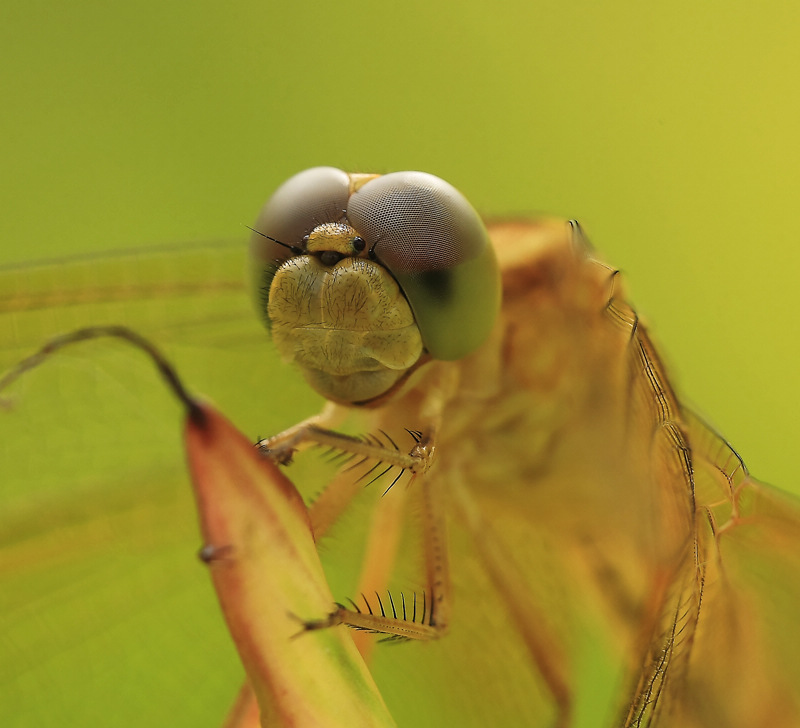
point(670, 131)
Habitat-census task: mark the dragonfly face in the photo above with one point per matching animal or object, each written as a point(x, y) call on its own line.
point(357, 274)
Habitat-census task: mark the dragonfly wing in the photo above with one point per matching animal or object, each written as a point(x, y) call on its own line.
point(107, 616)
point(748, 534)
point(723, 651)
point(181, 289)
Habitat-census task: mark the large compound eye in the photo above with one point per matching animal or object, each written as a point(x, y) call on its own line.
point(434, 243)
point(300, 204)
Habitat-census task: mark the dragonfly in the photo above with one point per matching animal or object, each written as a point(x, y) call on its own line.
point(526, 511)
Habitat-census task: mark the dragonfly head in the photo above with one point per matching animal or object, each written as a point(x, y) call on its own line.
point(361, 276)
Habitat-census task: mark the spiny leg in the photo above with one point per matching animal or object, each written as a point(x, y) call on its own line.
point(282, 446)
point(421, 617)
point(383, 539)
point(380, 553)
point(436, 553)
point(326, 509)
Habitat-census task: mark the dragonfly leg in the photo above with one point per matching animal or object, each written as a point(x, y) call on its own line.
point(327, 508)
point(282, 446)
point(421, 616)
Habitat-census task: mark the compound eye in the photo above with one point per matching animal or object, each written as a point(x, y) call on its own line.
point(300, 204)
point(434, 243)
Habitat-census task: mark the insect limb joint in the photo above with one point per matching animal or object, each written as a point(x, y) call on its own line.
point(282, 447)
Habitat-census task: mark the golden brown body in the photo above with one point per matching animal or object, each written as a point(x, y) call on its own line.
point(569, 471)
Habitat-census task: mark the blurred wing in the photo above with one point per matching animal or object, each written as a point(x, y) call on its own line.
point(106, 616)
point(725, 651)
point(744, 667)
point(185, 290)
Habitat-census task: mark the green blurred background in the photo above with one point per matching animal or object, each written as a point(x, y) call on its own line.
point(670, 132)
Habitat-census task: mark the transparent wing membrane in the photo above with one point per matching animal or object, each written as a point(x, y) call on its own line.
point(180, 291)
